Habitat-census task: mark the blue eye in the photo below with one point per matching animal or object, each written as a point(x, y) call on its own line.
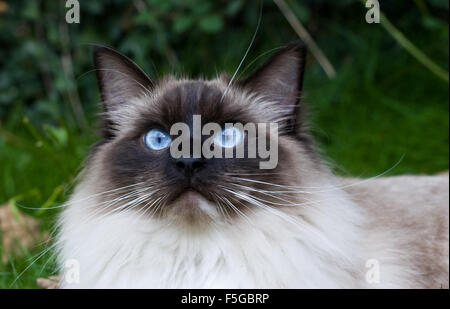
point(229, 137)
point(156, 139)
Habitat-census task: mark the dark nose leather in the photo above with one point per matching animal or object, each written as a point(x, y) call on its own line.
point(189, 166)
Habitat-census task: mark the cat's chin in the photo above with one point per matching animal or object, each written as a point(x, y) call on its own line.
point(192, 207)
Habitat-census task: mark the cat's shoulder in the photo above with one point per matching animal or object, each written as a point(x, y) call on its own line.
point(408, 198)
point(411, 192)
point(409, 217)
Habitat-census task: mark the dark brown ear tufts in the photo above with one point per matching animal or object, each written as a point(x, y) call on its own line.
point(119, 78)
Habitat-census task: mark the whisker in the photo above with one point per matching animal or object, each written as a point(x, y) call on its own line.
point(84, 198)
point(332, 188)
point(289, 219)
point(39, 255)
point(237, 211)
point(245, 55)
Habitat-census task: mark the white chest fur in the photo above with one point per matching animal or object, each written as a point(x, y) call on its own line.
point(272, 250)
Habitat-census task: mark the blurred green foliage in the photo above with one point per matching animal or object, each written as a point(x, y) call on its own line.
point(382, 104)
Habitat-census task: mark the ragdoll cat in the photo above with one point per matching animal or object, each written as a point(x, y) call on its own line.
point(140, 218)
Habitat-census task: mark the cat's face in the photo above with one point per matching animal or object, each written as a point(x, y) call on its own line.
point(157, 183)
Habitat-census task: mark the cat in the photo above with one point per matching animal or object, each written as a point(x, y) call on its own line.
point(140, 218)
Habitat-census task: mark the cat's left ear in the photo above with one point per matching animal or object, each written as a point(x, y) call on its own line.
point(280, 80)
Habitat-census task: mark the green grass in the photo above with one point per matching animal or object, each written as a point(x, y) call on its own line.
point(383, 105)
point(38, 167)
point(366, 122)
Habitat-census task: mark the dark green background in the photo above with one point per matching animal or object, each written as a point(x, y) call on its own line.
point(382, 105)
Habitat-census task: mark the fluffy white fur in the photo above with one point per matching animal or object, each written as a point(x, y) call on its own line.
point(124, 251)
point(326, 245)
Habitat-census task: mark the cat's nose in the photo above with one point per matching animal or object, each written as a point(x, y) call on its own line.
point(189, 166)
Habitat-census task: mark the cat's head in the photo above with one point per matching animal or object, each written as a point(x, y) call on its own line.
point(135, 158)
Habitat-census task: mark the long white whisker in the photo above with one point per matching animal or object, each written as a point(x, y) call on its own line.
point(245, 56)
point(286, 218)
point(240, 213)
point(332, 188)
point(84, 198)
point(32, 263)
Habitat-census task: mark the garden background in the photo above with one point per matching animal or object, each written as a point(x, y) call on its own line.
point(387, 102)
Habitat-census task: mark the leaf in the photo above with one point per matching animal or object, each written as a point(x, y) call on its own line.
point(432, 23)
point(182, 23)
point(58, 134)
point(211, 24)
point(233, 7)
point(51, 200)
point(146, 18)
point(14, 210)
point(31, 10)
point(203, 9)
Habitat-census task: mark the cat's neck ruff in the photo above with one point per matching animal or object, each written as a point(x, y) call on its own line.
point(273, 248)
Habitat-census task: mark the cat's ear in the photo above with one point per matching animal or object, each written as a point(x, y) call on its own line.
point(119, 78)
point(280, 79)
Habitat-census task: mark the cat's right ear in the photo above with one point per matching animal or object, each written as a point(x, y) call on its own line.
point(119, 78)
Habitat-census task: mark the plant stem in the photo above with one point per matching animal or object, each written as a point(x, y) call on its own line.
point(306, 37)
point(411, 48)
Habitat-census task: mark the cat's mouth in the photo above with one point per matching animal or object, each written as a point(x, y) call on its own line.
point(189, 198)
point(192, 204)
point(190, 194)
